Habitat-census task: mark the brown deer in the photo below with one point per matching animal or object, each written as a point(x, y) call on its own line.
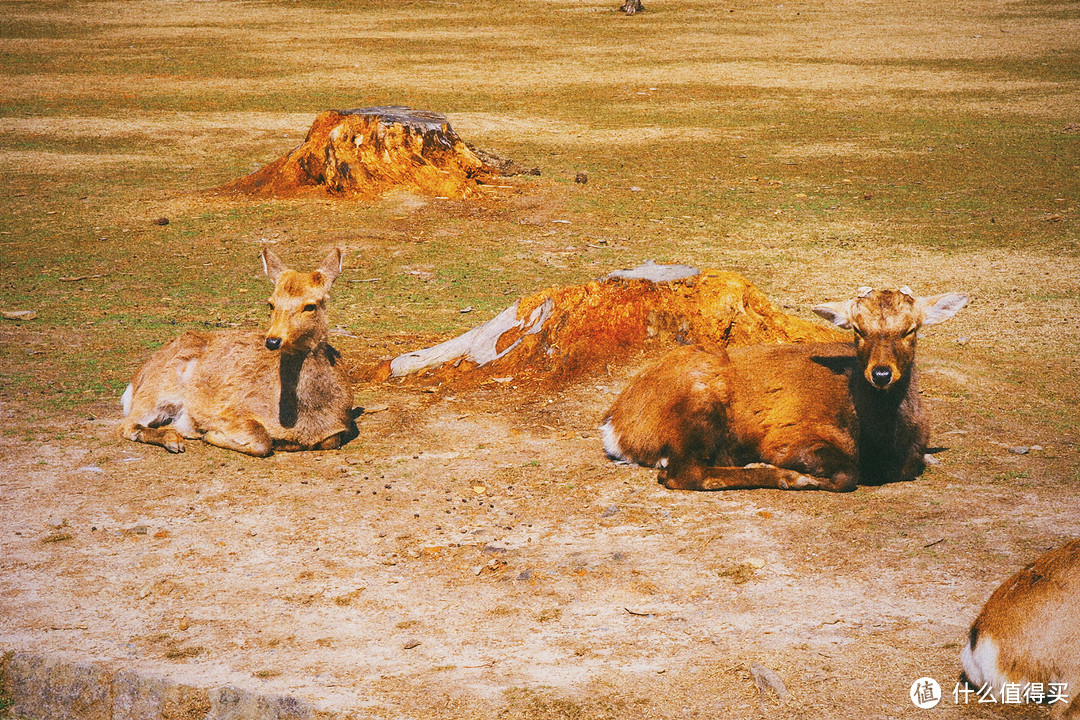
point(1028, 634)
point(249, 391)
point(800, 416)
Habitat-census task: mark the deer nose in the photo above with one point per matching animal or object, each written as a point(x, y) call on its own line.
point(273, 343)
point(880, 375)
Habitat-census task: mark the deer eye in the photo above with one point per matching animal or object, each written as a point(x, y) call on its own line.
point(910, 332)
point(270, 305)
point(310, 308)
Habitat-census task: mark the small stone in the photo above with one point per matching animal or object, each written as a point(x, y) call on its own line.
point(767, 679)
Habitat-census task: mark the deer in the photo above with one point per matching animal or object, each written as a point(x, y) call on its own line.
point(247, 390)
point(1028, 634)
point(797, 416)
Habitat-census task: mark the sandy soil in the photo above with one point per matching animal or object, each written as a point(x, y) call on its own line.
point(474, 555)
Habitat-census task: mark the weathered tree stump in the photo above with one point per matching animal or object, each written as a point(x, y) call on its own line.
point(365, 152)
point(563, 335)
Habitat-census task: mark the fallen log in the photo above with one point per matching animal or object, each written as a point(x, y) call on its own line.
point(561, 335)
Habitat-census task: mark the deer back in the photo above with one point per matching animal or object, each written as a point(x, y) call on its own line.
point(1029, 629)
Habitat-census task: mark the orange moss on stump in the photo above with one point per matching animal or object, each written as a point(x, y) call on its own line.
point(364, 152)
point(561, 335)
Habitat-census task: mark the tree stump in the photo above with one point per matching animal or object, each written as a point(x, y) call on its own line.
point(364, 152)
point(563, 335)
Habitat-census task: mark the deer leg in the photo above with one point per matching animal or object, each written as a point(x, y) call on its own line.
point(331, 443)
point(696, 476)
point(338, 439)
point(246, 436)
point(163, 436)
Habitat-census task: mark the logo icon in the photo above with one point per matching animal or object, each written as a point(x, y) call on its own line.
point(925, 693)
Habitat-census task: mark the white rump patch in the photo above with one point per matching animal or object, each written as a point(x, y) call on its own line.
point(611, 442)
point(981, 663)
point(125, 399)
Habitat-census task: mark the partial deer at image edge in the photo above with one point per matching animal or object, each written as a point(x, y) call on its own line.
point(1028, 636)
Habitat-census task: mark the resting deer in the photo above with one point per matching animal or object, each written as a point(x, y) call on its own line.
point(249, 391)
point(800, 416)
point(1028, 634)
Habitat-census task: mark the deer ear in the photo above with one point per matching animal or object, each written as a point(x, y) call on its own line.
point(838, 313)
point(272, 265)
point(939, 308)
point(331, 267)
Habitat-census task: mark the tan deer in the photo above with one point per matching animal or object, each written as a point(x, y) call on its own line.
point(1028, 634)
point(249, 391)
point(797, 416)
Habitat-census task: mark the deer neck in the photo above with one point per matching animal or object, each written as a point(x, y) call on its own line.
point(879, 410)
point(289, 368)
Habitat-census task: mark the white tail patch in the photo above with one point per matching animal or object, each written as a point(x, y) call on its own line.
point(125, 399)
point(981, 663)
point(611, 442)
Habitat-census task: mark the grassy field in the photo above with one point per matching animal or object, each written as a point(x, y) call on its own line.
point(814, 147)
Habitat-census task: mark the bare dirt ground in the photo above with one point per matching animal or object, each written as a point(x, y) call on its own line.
point(475, 555)
point(472, 554)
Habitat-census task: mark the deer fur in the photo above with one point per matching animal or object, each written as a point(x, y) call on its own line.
point(796, 416)
point(250, 391)
point(1029, 631)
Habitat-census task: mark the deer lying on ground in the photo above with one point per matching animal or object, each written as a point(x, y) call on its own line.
point(1028, 634)
point(800, 416)
point(249, 391)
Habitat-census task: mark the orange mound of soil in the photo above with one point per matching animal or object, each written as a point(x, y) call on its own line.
point(561, 335)
point(364, 152)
